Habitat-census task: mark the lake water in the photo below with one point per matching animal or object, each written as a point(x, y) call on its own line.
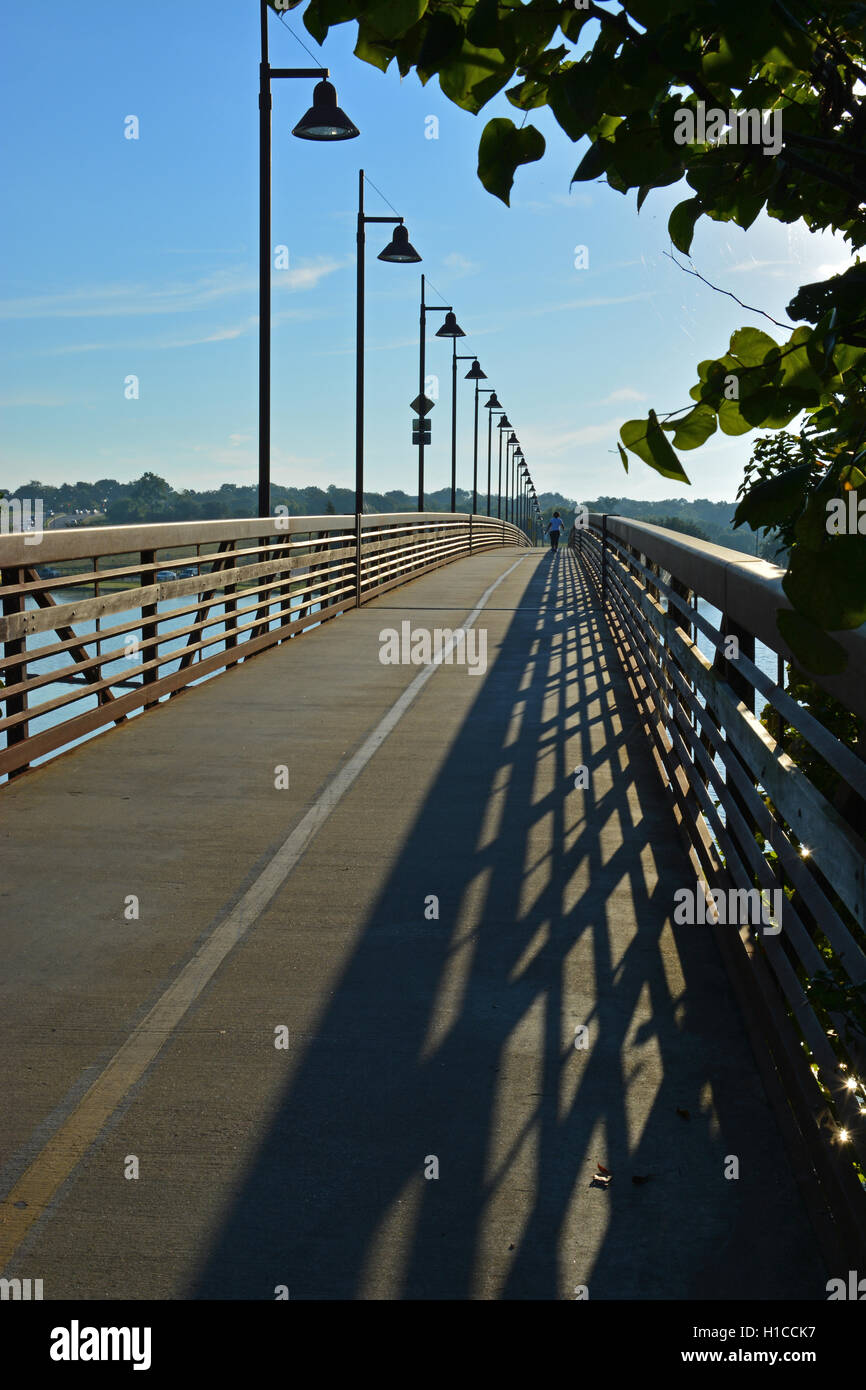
point(764, 658)
point(246, 605)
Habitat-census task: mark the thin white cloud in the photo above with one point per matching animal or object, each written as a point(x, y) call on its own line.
point(625, 393)
point(554, 442)
point(459, 265)
point(218, 335)
point(128, 301)
point(743, 267)
point(590, 302)
point(833, 268)
point(162, 344)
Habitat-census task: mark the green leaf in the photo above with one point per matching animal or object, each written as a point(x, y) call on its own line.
point(594, 162)
point(370, 51)
point(623, 455)
point(770, 502)
point(391, 18)
point(473, 76)
point(753, 347)
point(574, 123)
point(731, 420)
point(813, 648)
point(773, 407)
point(321, 14)
point(483, 26)
point(829, 585)
point(693, 429)
point(529, 94)
point(442, 41)
point(681, 223)
point(501, 149)
point(647, 439)
point(639, 156)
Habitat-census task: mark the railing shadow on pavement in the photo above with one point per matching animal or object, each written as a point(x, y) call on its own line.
point(550, 895)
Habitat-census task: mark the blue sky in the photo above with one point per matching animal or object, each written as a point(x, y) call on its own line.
point(139, 257)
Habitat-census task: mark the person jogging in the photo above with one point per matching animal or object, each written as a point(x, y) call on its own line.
point(555, 526)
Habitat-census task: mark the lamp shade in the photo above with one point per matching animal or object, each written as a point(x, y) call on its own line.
point(504, 423)
point(513, 439)
point(399, 250)
point(450, 328)
point(325, 120)
point(475, 373)
point(493, 403)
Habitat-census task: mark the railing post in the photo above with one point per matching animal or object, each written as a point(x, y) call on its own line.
point(470, 533)
point(149, 638)
point(230, 610)
point(357, 559)
point(17, 672)
point(726, 668)
point(604, 557)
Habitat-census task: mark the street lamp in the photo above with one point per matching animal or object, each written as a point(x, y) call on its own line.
point(399, 251)
point(509, 478)
point(474, 374)
point(518, 485)
point(492, 404)
point(323, 121)
point(518, 480)
point(450, 329)
point(503, 424)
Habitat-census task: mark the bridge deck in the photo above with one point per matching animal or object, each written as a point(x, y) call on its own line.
point(408, 1037)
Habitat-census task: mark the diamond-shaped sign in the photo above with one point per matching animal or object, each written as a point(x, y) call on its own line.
point(422, 405)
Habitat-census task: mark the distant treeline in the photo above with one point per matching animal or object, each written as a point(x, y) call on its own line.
point(709, 521)
point(151, 498)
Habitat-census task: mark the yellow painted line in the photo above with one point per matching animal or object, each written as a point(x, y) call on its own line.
point(65, 1149)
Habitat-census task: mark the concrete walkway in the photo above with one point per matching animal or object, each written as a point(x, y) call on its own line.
point(413, 1043)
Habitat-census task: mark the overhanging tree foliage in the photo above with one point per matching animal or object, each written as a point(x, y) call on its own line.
point(625, 77)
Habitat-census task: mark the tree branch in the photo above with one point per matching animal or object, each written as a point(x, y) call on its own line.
point(748, 307)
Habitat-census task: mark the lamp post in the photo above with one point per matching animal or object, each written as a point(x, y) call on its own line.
point(518, 485)
point(323, 121)
point(492, 404)
point(518, 464)
point(474, 374)
point(503, 424)
point(450, 329)
point(510, 476)
point(399, 251)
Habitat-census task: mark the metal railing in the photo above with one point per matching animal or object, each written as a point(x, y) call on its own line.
point(755, 821)
point(101, 622)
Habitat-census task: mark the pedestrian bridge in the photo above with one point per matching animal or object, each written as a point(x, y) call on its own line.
point(383, 963)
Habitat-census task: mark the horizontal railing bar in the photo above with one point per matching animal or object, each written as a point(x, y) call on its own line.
point(49, 740)
point(835, 847)
point(749, 590)
point(846, 763)
point(773, 831)
point(791, 986)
